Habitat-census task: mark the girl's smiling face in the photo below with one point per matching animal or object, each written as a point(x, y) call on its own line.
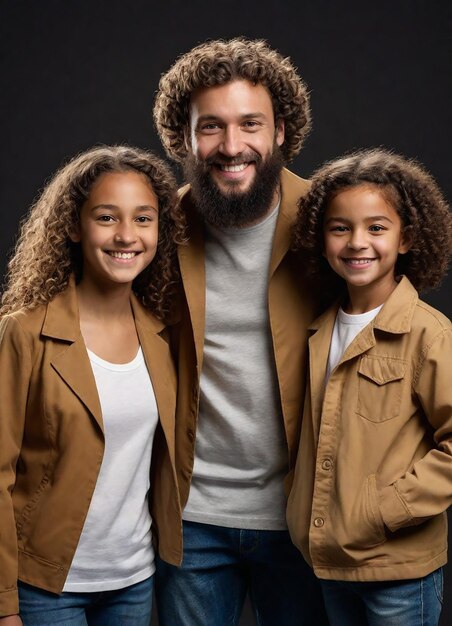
point(363, 237)
point(118, 229)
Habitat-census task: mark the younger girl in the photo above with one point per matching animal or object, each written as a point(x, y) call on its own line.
point(86, 380)
point(374, 473)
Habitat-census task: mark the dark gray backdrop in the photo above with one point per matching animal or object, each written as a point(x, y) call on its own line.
point(81, 72)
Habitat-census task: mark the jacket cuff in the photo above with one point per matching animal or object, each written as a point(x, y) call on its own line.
point(9, 603)
point(393, 510)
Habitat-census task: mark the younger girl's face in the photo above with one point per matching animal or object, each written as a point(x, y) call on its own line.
point(363, 237)
point(118, 228)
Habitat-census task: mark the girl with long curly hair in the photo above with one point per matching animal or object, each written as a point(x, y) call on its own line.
point(373, 478)
point(87, 391)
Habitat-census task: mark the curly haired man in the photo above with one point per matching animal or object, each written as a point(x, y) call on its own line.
point(233, 113)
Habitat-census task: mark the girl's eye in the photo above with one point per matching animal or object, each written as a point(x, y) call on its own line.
point(211, 127)
point(376, 228)
point(143, 219)
point(105, 218)
point(339, 229)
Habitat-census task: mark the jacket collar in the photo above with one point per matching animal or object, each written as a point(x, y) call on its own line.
point(72, 363)
point(62, 319)
point(394, 317)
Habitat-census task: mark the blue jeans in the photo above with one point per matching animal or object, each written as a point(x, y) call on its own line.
point(130, 606)
point(221, 565)
point(415, 602)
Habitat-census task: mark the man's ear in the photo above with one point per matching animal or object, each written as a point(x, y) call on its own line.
point(406, 240)
point(280, 132)
point(187, 138)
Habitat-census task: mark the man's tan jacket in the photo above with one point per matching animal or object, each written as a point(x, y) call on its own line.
point(290, 308)
point(52, 443)
point(374, 472)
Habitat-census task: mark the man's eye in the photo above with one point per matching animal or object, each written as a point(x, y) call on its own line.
point(250, 124)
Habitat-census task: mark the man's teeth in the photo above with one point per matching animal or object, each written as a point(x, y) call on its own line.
point(233, 168)
point(122, 255)
point(358, 261)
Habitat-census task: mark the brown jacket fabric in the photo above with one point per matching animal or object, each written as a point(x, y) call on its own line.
point(290, 309)
point(374, 472)
point(51, 443)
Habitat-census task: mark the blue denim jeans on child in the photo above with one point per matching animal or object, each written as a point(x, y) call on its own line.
point(415, 602)
point(222, 564)
point(130, 606)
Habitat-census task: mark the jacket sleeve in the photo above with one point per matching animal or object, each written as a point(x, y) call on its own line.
point(15, 373)
point(426, 490)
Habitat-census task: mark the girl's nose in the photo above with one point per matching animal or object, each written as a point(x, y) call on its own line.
point(357, 241)
point(125, 234)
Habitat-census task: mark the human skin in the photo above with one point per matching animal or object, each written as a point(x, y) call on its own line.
point(229, 125)
point(363, 237)
point(118, 228)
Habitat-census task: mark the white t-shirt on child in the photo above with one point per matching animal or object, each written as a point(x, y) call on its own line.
point(346, 328)
point(115, 548)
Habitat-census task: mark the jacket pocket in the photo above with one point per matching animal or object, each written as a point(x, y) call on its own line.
point(365, 527)
point(380, 383)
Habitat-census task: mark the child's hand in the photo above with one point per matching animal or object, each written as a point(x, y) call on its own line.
point(11, 620)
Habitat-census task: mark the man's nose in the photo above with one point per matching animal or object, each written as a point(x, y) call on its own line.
point(232, 143)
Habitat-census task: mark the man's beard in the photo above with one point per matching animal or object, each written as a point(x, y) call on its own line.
point(235, 208)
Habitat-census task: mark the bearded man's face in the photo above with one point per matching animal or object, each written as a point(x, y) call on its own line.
point(234, 161)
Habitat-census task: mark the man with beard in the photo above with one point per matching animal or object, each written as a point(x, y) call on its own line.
point(233, 112)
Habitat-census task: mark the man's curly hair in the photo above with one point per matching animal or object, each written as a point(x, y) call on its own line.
point(408, 187)
point(217, 63)
point(45, 257)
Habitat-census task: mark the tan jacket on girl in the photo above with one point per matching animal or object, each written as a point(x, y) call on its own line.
point(373, 477)
point(52, 443)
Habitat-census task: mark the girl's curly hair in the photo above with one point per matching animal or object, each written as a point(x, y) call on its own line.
point(45, 256)
point(218, 62)
point(408, 187)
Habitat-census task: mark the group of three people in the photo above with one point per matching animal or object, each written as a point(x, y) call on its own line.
point(159, 358)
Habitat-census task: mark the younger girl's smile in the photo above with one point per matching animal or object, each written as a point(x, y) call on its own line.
point(363, 238)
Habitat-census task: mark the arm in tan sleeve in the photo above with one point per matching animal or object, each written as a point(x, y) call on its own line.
point(426, 490)
point(15, 372)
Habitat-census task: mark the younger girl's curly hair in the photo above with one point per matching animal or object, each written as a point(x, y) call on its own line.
point(45, 256)
point(407, 187)
point(217, 63)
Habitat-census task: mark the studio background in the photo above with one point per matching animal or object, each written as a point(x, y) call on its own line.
point(83, 72)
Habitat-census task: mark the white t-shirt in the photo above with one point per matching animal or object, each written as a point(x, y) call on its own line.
point(346, 328)
point(115, 548)
point(241, 452)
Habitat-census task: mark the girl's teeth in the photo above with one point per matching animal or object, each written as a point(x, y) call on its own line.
point(123, 255)
point(358, 261)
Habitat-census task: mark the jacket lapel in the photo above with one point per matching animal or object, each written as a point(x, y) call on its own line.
point(192, 267)
point(158, 362)
point(290, 195)
point(72, 361)
point(319, 345)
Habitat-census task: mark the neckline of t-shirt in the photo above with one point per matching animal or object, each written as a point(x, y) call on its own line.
point(240, 232)
point(359, 318)
point(117, 367)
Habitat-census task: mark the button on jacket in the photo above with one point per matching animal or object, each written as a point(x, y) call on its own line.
point(52, 443)
point(290, 307)
point(374, 472)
